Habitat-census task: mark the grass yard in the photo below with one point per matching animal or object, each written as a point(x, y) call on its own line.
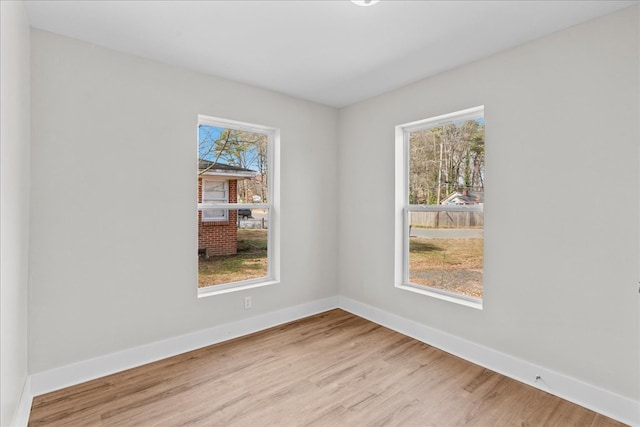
point(249, 263)
point(453, 265)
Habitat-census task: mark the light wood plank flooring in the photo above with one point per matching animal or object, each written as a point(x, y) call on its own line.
point(332, 369)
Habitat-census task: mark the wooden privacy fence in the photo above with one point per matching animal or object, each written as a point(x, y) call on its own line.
point(444, 219)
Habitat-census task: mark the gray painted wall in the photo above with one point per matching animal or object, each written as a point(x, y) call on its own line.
point(14, 205)
point(113, 231)
point(561, 290)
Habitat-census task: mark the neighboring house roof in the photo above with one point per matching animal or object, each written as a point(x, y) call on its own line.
point(464, 198)
point(209, 168)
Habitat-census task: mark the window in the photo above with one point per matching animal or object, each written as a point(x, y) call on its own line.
point(215, 192)
point(237, 204)
point(440, 183)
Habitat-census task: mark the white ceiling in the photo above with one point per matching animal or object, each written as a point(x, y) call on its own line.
point(332, 52)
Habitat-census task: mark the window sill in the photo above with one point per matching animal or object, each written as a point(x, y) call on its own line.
point(473, 303)
point(234, 287)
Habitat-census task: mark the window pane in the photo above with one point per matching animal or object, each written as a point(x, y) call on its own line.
point(449, 257)
point(237, 251)
point(214, 215)
point(214, 191)
point(446, 164)
point(446, 170)
point(238, 155)
point(234, 169)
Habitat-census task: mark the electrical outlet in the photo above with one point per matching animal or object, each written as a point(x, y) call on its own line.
point(247, 303)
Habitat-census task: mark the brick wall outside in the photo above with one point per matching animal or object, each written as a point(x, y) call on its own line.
point(219, 237)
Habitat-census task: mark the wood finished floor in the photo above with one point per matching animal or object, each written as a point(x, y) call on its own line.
point(332, 369)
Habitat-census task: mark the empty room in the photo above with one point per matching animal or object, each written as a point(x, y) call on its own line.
point(328, 213)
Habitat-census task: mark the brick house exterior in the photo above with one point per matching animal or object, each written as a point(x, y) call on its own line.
point(220, 236)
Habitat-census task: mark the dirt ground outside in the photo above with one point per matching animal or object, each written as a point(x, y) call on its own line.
point(453, 265)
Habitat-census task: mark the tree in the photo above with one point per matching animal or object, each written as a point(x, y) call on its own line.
point(446, 158)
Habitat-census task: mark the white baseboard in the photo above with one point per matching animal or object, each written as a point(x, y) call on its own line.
point(21, 417)
point(58, 378)
point(604, 402)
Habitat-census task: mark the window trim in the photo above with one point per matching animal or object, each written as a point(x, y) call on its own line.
point(402, 207)
point(273, 206)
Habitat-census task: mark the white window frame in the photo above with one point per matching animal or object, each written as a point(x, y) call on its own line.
point(273, 207)
point(225, 213)
point(403, 208)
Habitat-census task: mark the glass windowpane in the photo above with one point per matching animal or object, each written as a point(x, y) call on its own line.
point(448, 258)
point(243, 255)
point(446, 167)
point(233, 166)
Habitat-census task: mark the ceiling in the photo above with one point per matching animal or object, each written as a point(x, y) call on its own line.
point(332, 52)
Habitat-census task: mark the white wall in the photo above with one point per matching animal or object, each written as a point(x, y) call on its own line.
point(14, 205)
point(113, 232)
point(561, 233)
